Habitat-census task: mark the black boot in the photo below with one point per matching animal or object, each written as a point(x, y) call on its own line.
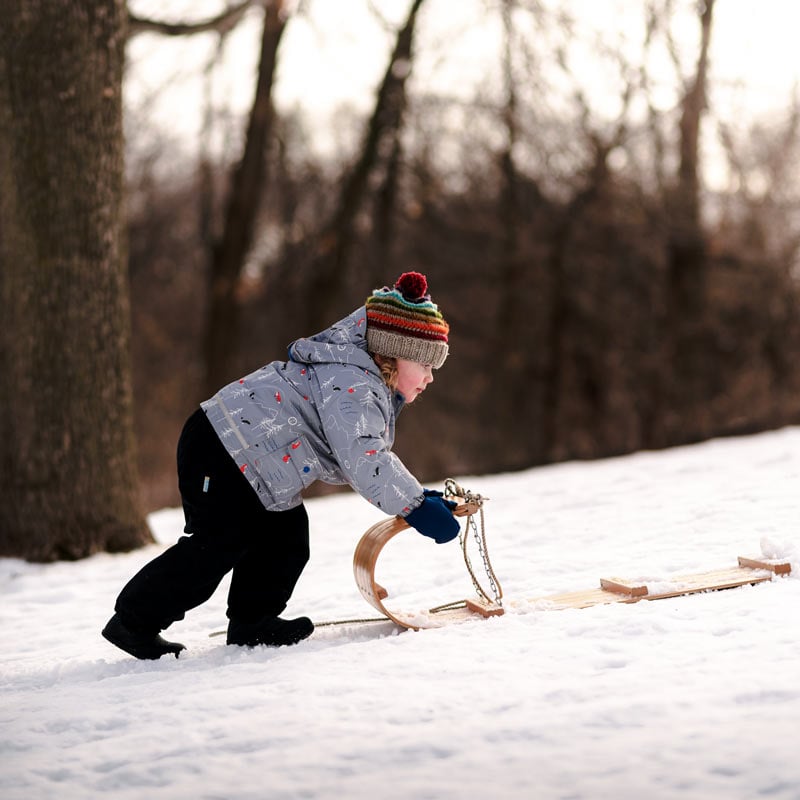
point(272, 631)
point(148, 646)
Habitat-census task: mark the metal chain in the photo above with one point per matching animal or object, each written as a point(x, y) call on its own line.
point(452, 489)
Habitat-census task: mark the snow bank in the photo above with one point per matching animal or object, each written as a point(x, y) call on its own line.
point(695, 697)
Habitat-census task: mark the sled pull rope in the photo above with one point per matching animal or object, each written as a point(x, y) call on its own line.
point(453, 491)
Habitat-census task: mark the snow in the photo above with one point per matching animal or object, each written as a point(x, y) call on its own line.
point(691, 697)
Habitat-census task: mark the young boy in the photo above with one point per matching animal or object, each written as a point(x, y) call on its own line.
point(246, 455)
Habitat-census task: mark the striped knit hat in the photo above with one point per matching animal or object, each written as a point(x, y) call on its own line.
point(403, 322)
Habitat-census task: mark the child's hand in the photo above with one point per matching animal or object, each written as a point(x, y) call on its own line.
point(434, 518)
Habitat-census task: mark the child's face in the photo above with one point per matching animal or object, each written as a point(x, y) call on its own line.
point(412, 378)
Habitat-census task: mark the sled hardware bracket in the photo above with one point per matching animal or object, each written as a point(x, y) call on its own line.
point(478, 606)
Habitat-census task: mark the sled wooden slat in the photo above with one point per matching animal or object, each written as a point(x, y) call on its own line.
point(583, 598)
point(778, 567)
point(365, 559)
point(618, 590)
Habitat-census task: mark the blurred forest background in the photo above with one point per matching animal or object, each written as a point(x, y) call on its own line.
point(602, 299)
point(604, 295)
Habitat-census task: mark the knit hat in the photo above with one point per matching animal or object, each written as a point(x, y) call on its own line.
point(403, 322)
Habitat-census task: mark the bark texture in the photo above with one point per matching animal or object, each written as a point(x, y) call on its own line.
point(67, 454)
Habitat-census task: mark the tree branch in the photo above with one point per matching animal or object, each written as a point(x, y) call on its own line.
point(222, 23)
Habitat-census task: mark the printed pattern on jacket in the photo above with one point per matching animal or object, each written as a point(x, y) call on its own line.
point(326, 414)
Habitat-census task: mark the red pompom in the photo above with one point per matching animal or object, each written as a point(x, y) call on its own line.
point(412, 285)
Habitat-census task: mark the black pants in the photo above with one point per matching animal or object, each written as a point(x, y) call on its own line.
point(229, 530)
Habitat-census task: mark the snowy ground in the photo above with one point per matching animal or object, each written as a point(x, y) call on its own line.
point(695, 697)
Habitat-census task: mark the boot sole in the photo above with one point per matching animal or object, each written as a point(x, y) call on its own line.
point(143, 653)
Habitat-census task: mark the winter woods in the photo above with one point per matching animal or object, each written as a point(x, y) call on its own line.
point(604, 296)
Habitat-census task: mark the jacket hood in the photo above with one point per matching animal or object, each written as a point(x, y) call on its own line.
point(345, 342)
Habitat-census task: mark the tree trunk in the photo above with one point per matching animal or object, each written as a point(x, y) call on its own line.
point(337, 238)
point(247, 188)
point(686, 235)
point(688, 363)
point(68, 467)
point(513, 330)
point(554, 427)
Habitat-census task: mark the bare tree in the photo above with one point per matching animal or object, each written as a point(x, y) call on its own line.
point(228, 250)
point(687, 367)
point(515, 342)
point(761, 207)
point(68, 466)
point(383, 132)
point(686, 236)
point(221, 24)
point(247, 187)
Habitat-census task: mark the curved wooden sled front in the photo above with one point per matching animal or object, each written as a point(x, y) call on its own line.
point(366, 557)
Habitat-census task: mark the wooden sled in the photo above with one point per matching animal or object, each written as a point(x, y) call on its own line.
point(620, 590)
point(365, 559)
point(611, 590)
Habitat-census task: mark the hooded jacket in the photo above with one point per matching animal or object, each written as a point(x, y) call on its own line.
point(326, 414)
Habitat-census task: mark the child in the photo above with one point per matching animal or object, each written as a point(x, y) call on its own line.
point(246, 455)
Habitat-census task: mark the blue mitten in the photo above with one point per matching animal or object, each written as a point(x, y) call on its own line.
point(434, 518)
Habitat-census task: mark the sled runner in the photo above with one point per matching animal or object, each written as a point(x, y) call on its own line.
point(375, 539)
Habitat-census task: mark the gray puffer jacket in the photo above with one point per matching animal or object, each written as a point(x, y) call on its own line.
point(326, 414)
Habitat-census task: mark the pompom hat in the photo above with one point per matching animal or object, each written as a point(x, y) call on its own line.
point(403, 322)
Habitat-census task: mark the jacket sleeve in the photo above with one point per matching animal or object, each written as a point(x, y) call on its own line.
point(355, 422)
